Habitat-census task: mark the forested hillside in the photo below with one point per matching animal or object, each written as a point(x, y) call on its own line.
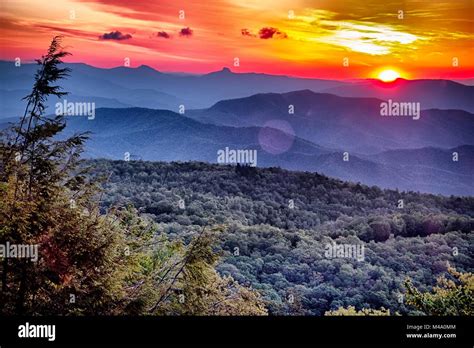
point(278, 224)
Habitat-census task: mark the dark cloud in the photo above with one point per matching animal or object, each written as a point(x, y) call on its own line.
point(246, 32)
point(115, 35)
point(185, 32)
point(269, 33)
point(163, 34)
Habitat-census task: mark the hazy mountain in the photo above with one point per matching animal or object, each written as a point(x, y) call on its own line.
point(167, 136)
point(467, 82)
point(431, 94)
point(146, 87)
point(202, 89)
point(11, 102)
point(162, 135)
point(297, 130)
point(349, 124)
point(459, 159)
point(435, 172)
point(85, 84)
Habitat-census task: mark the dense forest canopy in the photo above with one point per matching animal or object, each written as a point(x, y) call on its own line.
point(279, 223)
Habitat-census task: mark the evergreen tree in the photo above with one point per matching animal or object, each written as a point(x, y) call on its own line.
point(48, 202)
point(90, 262)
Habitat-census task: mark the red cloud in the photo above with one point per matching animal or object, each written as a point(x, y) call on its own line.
point(269, 33)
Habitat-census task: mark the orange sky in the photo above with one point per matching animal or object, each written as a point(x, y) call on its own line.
point(420, 39)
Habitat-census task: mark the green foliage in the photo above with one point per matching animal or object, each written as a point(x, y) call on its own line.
point(200, 290)
point(92, 262)
point(39, 178)
point(449, 297)
point(351, 311)
point(280, 251)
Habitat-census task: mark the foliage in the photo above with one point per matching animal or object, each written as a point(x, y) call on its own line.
point(202, 291)
point(92, 261)
point(449, 297)
point(279, 250)
point(351, 311)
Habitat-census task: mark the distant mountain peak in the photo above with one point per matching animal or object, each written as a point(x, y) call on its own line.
point(224, 71)
point(146, 68)
point(305, 91)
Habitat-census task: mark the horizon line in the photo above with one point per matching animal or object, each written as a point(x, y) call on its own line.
point(226, 68)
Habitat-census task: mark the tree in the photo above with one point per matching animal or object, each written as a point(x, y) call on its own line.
point(380, 230)
point(449, 297)
point(49, 204)
point(195, 288)
point(89, 262)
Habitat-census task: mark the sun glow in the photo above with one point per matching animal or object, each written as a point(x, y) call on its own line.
point(388, 75)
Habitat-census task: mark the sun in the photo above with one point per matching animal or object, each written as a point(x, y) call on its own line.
point(388, 75)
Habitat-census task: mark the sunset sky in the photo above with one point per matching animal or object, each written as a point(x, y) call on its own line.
point(418, 39)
